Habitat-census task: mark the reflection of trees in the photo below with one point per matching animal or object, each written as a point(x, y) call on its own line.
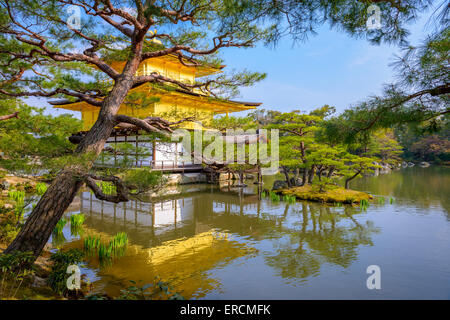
point(326, 235)
point(426, 186)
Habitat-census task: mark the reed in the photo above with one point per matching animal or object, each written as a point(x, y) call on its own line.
point(60, 226)
point(91, 245)
point(391, 200)
point(274, 197)
point(381, 200)
point(364, 204)
point(106, 252)
point(76, 223)
point(289, 198)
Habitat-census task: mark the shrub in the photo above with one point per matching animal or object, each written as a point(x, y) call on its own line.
point(143, 179)
point(14, 269)
point(57, 279)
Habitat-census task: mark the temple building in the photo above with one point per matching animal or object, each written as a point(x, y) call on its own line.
point(168, 102)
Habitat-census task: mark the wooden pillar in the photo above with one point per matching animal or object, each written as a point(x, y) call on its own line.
point(137, 146)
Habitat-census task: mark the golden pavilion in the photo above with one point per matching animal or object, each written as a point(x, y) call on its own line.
point(163, 102)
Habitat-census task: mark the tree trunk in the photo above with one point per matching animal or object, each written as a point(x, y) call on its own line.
point(330, 172)
point(347, 181)
point(286, 175)
point(304, 176)
point(39, 225)
point(311, 174)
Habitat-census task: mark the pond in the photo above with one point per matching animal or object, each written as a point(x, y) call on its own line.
point(210, 242)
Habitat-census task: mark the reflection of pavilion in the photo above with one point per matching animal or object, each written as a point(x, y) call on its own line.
point(175, 239)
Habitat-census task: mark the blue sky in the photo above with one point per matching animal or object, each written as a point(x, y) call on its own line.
point(330, 68)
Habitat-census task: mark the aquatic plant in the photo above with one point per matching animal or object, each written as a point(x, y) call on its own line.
point(60, 226)
point(105, 252)
point(91, 244)
point(381, 200)
point(274, 197)
point(391, 200)
point(364, 204)
point(153, 291)
point(76, 222)
point(289, 198)
point(41, 188)
point(119, 243)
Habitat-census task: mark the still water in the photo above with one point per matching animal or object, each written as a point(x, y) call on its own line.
point(226, 243)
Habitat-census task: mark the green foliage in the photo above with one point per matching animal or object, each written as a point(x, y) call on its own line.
point(289, 198)
point(157, 290)
point(107, 187)
point(58, 276)
point(58, 238)
point(41, 188)
point(143, 179)
point(106, 252)
point(274, 197)
point(76, 223)
point(60, 226)
point(14, 269)
point(31, 141)
point(364, 204)
point(419, 97)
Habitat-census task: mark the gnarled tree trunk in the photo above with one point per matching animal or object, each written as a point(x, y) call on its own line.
point(50, 208)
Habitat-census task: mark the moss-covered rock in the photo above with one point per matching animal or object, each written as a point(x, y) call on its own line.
point(340, 195)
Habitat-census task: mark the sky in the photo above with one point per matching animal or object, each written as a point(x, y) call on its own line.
point(330, 68)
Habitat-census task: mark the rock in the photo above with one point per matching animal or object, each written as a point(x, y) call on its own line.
point(404, 164)
point(279, 184)
point(424, 164)
point(296, 182)
point(228, 176)
point(4, 185)
point(385, 168)
point(39, 282)
point(186, 178)
point(410, 164)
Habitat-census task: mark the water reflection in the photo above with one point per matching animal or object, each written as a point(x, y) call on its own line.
point(427, 187)
point(188, 238)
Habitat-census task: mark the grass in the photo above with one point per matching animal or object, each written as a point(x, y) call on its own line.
point(336, 195)
point(17, 195)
